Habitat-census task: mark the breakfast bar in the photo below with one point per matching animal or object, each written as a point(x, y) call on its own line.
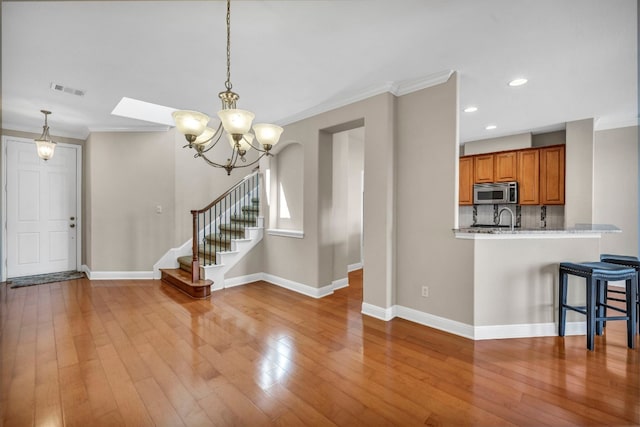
point(515, 277)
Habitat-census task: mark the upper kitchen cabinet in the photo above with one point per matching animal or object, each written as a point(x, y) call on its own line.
point(552, 175)
point(465, 175)
point(505, 166)
point(529, 177)
point(483, 168)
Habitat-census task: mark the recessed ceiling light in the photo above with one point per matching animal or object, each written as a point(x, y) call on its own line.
point(518, 82)
point(471, 109)
point(491, 127)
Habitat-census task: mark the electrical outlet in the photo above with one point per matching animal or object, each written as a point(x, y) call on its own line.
point(425, 291)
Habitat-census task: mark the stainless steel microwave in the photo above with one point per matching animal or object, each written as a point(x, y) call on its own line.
point(495, 193)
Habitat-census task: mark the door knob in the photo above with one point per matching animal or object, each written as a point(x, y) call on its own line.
point(72, 218)
point(72, 225)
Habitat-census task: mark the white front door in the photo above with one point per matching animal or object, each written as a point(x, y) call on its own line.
point(42, 210)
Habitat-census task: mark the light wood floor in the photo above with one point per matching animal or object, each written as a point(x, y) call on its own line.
point(137, 353)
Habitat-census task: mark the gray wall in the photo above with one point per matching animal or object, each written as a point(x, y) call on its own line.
point(579, 160)
point(310, 260)
point(427, 252)
point(355, 167)
point(503, 143)
point(516, 279)
point(616, 188)
point(126, 176)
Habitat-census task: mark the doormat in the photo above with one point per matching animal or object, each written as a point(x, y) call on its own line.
point(41, 279)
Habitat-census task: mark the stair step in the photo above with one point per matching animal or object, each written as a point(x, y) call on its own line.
point(181, 280)
point(232, 228)
point(221, 239)
point(254, 209)
point(245, 218)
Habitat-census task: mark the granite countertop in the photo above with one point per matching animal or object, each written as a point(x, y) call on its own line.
point(577, 229)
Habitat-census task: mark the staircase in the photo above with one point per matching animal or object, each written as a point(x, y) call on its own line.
point(225, 231)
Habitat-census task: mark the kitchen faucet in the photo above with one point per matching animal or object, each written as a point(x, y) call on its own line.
point(512, 216)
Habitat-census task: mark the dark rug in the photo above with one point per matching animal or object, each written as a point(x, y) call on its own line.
point(40, 279)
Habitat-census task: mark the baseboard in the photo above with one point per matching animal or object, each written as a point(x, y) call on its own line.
point(354, 267)
point(243, 280)
point(340, 283)
point(116, 275)
point(436, 322)
point(529, 330)
point(468, 331)
point(385, 314)
point(301, 288)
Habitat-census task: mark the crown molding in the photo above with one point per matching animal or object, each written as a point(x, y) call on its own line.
point(615, 124)
point(408, 86)
point(400, 88)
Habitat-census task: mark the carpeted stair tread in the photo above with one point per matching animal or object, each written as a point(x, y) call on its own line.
point(245, 218)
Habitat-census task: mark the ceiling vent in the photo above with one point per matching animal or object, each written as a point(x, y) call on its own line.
point(66, 89)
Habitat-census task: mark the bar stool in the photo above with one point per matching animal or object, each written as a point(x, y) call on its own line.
point(597, 274)
point(628, 261)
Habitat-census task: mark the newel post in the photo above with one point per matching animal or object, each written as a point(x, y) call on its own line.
point(195, 264)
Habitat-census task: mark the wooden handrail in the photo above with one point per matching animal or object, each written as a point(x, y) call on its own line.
point(212, 204)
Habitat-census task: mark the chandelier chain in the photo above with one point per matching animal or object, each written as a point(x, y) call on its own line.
point(228, 84)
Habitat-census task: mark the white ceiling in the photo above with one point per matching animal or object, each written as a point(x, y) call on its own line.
point(296, 57)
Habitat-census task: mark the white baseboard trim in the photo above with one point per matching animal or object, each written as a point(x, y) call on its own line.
point(117, 275)
point(436, 322)
point(468, 331)
point(298, 287)
point(243, 280)
point(340, 283)
point(354, 267)
point(529, 330)
point(385, 314)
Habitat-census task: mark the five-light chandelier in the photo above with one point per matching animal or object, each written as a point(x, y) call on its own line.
point(234, 123)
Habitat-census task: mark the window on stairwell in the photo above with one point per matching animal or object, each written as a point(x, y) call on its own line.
point(289, 177)
point(284, 208)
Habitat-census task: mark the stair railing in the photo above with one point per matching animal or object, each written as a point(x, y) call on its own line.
point(208, 219)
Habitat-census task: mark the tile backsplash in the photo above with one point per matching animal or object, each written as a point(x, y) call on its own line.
point(526, 216)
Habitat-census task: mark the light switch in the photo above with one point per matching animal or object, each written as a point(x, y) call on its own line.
point(159, 209)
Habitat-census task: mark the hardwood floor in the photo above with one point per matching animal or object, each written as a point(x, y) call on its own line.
point(141, 353)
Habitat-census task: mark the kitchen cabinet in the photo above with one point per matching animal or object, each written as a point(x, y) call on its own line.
point(483, 168)
point(528, 177)
point(465, 185)
point(552, 165)
point(505, 166)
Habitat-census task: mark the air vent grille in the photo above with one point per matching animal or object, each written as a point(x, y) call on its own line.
point(66, 89)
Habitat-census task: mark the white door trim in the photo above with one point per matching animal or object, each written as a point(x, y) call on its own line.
point(3, 214)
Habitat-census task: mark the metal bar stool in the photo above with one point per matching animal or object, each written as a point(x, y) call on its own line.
point(628, 261)
point(597, 274)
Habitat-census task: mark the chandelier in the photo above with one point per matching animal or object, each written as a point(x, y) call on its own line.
point(44, 144)
point(235, 125)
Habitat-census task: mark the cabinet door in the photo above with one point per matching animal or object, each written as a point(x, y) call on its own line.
point(465, 196)
point(483, 168)
point(552, 175)
point(505, 166)
point(529, 177)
